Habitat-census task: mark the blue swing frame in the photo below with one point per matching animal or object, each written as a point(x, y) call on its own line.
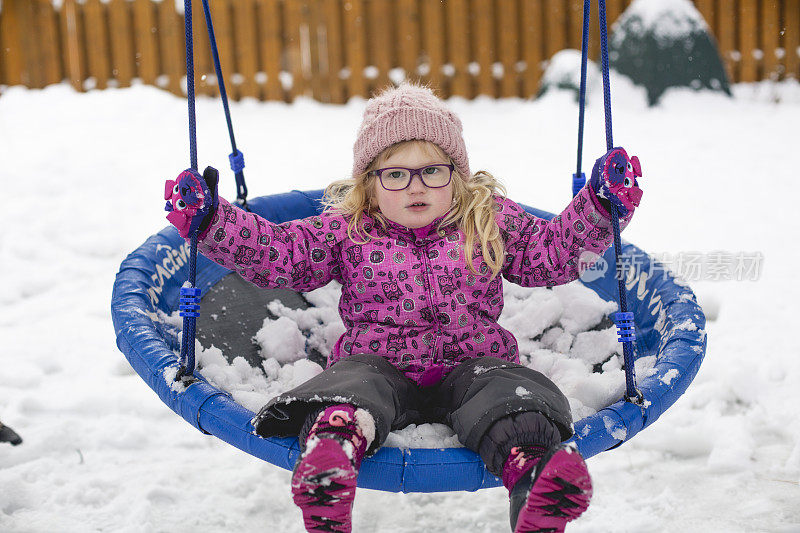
point(670, 325)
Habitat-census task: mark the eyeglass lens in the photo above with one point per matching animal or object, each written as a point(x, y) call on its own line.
point(434, 176)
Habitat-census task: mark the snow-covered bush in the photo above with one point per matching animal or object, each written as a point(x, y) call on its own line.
point(666, 43)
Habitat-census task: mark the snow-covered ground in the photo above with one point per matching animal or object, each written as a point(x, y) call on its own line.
point(82, 177)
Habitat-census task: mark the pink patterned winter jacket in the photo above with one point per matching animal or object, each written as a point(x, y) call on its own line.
point(407, 294)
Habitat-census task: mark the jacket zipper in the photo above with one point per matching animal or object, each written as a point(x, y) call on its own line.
point(428, 273)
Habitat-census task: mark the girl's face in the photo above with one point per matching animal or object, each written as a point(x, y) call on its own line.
point(417, 205)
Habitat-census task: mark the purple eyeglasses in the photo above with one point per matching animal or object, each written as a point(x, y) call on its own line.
point(399, 178)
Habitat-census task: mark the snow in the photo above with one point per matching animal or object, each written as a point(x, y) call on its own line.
point(669, 375)
point(667, 20)
point(564, 69)
point(83, 176)
point(282, 339)
point(423, 436)
point(366, 423)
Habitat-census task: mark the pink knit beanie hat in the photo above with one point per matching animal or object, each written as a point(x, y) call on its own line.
point(408, 112)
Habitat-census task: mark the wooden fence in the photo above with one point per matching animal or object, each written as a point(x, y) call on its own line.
point(334, 49)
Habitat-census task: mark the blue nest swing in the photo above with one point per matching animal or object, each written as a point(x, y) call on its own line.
point(669, 324)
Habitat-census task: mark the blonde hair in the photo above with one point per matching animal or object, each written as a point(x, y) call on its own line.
point(473, 208)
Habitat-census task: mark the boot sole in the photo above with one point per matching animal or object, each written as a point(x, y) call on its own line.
point(561, 494)
point(324, 487)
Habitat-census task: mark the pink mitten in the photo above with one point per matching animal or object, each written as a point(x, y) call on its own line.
point(614, 179)
point(192, 200)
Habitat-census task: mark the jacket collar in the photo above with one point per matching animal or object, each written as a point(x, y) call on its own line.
point(428, 232)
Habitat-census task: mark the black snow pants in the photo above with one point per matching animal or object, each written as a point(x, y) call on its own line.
point(491, 404)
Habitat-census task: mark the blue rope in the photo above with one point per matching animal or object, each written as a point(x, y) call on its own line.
point(606, 81)
point(236, 157)
point(187, 8)
point(623, 318)
point(190, 296)
point(187, 341)
point(191, 314)
point(579, 178)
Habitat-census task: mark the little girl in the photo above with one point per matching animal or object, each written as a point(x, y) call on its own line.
point(419, 244)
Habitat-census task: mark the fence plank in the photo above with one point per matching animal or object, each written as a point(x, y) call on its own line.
point(770, 37)
point(555, 19)
point(46, 28)
point(3, 50)
point(11, 51)
point(271, 39)
point(293, 16)
point(458, 48)
point(532, 46)
point(335, 57)
point(245, 46)
point(317, 30)
point(408, 37)
point(433, 33)
point(706, 8)
point(614, 9)
point(171, 40)
point(481, 22)
point(30, 45)
point(748, 39)
point(144, 24)
point(355, 47)
point(509, 46)
point(72, 37)
point(122, 54)
point(594, 31)
point(791, 24)
point(726, 18)
point(97, 43)
point(575, 22)
point(381, 36)
point(204, 76)
point(223, 31)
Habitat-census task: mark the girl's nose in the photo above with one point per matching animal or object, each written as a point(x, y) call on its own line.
point(416, 184)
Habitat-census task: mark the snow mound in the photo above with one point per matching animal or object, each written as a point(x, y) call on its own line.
point(564, 72)
point(667, 20)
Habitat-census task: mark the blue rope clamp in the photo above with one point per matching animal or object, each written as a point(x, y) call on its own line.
point(236, 159)
point(190, 302)
point(625, 326)
point(577, 183)
point(189, 310)
point(626, 334)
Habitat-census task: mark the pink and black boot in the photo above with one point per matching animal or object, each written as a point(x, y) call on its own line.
point(324, 478)
point(547, 488)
